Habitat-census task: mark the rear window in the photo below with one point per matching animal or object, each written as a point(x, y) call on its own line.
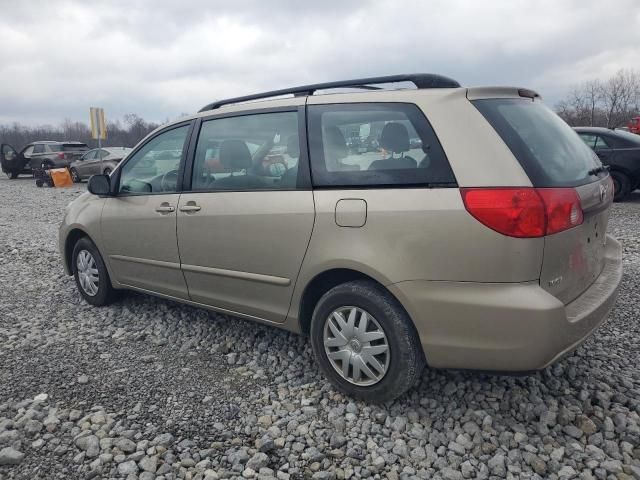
point(74, 147)
point(628, 139)
point(375, 144)
point(550, 152)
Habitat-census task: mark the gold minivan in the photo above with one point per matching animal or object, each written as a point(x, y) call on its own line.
point(437, 225)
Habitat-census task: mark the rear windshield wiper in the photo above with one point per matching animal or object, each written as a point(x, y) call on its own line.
point(597, 170)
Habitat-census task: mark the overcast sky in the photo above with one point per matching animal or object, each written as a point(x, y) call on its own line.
point(160, 58)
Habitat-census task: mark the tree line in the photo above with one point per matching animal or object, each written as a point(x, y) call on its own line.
point(127, 133)
point(607, 103)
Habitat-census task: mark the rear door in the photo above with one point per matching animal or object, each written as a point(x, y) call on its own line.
point(245, 224)
point(73, 151)
point(554, 156)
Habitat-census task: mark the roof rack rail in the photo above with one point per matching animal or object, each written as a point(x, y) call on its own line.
point(420, 80)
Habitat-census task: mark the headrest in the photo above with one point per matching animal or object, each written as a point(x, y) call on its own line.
point(395, 138)
point(335, 142)
point(235, 155)
point(293, 146)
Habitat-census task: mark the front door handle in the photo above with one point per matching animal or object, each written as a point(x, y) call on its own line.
point(190, 207)
point(165, 208)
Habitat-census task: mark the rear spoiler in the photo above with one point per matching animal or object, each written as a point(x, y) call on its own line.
point(478, 93)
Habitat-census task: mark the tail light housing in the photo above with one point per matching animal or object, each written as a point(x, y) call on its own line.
point(524, 212)
point(61, 155)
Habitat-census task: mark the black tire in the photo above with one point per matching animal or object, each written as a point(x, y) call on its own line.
point(74, 175)
point(107, 171)
point(621, 186)
point(106, 294)
point(12, 175)
point(406, 356)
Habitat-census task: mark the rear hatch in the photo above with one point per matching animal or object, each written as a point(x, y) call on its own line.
point(71, 151)
point(553, 156)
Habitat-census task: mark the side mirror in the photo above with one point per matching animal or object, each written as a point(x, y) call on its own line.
point(99, 185)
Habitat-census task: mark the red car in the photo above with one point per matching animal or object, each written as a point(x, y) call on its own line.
point(634, 125)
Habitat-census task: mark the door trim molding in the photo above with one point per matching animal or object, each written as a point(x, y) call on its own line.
point(254, 277)
point(146, 261)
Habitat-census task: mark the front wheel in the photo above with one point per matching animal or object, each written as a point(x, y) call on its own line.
point(12, 175)
point(365, 342)
point(621, 186)
point(91, 275)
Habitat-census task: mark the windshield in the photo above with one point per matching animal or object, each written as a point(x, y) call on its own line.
point(550, 152)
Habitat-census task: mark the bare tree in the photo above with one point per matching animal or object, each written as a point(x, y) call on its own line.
point(620, 96)
point(610, 103)
point(117, 135)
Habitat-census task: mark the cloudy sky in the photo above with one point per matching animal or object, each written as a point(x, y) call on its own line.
point(160, 58)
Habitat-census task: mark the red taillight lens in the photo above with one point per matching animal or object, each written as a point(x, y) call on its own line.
point(562, 207)
point(61, 155)
point(524, 212)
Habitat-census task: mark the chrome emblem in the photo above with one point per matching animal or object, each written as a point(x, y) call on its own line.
point(603, 193)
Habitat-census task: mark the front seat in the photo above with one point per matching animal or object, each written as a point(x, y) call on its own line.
point(335, 149)
point(235, 157)
point(395, 139)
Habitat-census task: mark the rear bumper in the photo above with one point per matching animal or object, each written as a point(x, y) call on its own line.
point(506, 327)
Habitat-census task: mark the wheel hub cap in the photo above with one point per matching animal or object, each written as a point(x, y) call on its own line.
point(356, 346)
point(87, 273)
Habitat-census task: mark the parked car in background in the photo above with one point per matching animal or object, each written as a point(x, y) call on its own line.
point(620, 150)
point(489, 254)
point(41, 154)
point(634, 125)
point(97, 161)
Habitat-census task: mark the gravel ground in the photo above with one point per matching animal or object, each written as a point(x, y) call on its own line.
point(150, 389)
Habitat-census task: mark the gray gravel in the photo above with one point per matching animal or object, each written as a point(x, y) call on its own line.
point(151, 389)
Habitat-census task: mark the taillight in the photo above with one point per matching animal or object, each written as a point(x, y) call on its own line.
point(524, 212)
point(61, 155)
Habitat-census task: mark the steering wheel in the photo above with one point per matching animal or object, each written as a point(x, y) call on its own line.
point(169, 181)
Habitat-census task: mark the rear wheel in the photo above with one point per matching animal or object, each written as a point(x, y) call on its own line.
point(75, 176)
point(91, 275)
point(621, 186)
point(365, 342)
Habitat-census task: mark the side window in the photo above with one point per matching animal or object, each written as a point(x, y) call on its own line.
point(248, 152)
point(90, 156)
point(39, 148)
point(102, 154)
point(589, 139)
point(601, 143)
point(385, 144)
point(28, 151)
point(154, 168)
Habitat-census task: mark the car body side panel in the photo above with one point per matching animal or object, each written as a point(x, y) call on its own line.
point(242, 251)
point(414, 234)
point(84, 214)
point(141, 244)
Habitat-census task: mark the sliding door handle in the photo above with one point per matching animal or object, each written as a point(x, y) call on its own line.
point(190, 207)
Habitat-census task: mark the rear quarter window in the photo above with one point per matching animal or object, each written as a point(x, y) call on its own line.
point(550, 152)
point(375, 144)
